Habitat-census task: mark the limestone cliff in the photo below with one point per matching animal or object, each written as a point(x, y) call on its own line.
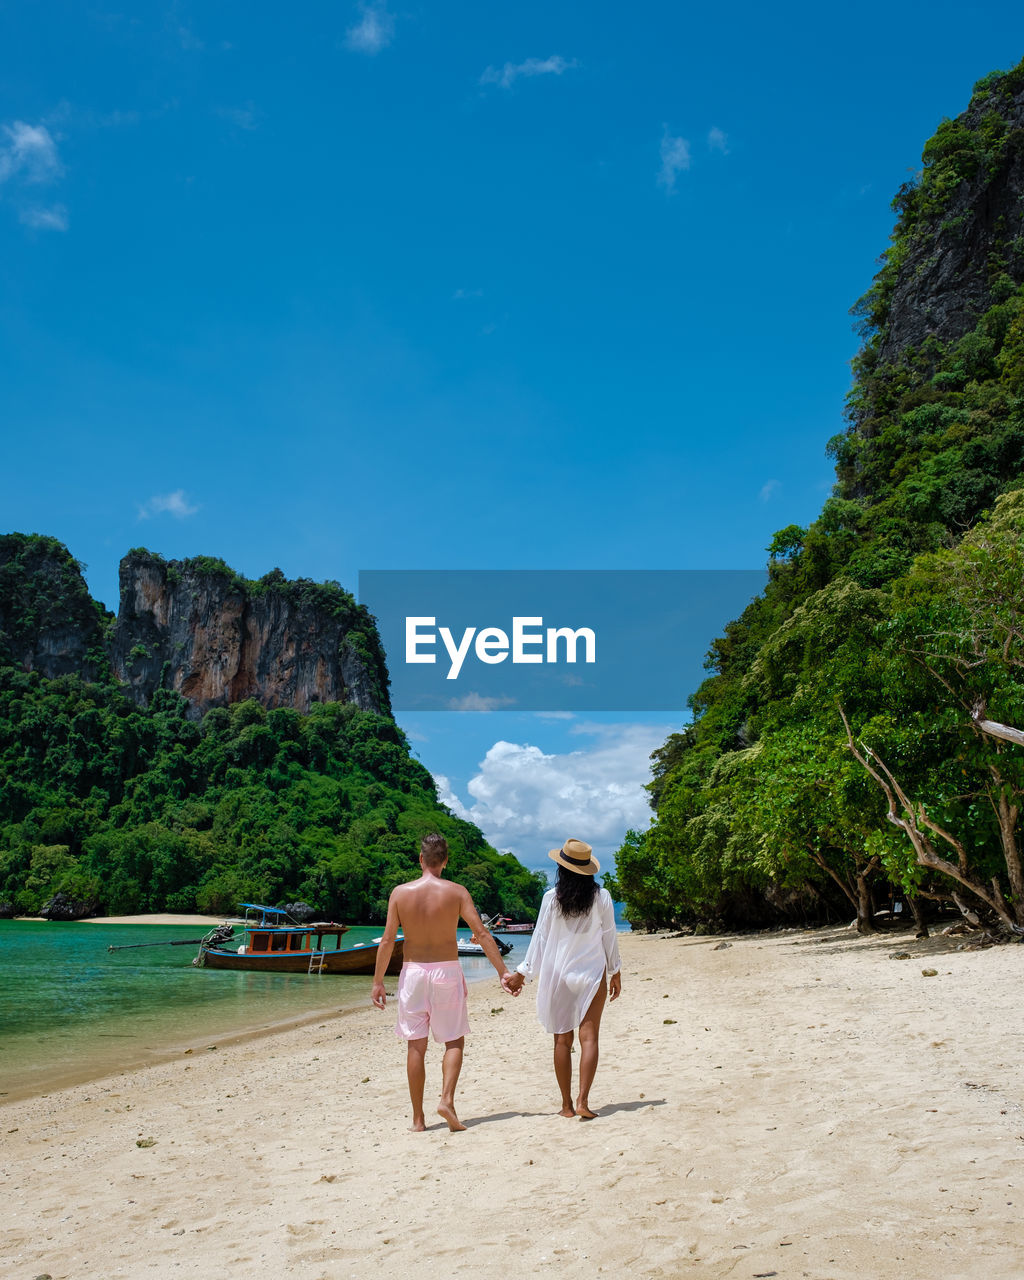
point(196, 627)
point(193, 626)
point(958, 246)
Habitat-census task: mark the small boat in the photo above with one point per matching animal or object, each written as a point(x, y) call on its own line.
point(273, 943)
point(500, 924)
point(467, 947)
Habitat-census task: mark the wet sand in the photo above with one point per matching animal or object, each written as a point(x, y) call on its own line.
point(793, 1104)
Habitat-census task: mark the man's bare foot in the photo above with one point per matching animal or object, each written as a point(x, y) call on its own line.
point(447, 1114)
point(584, 1112)
point(568, 1111)
point(418, 1126)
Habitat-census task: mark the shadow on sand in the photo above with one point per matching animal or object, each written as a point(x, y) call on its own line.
point(608, 1109)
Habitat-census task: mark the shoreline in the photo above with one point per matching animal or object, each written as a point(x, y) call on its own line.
point(156, 917)
point(797, 1104)
point(49, 1060)
point(97, 1074)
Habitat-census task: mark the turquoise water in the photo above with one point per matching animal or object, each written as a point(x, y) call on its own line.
point(71, 1010)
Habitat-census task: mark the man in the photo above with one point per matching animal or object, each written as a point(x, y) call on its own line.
point(431, 986)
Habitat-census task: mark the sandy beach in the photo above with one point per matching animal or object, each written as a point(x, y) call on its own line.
point(150, 917)
point(794, 1105)
point(153, 917)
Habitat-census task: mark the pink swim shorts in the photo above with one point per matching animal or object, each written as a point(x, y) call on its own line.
point(432, 997)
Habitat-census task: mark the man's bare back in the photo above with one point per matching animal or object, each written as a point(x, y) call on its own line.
point(428, 912)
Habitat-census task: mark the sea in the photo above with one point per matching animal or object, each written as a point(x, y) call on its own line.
point(72, 1010)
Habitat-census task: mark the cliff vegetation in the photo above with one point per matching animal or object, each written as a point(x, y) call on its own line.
point(842, 754)
point(124, 798)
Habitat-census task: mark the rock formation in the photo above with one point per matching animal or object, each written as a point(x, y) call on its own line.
point(960, 242)
point(64, 906)
point(192, 626)
point(197, 628)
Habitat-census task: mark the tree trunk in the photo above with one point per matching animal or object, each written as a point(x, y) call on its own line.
point(865, 904)
point(1008, 815)
point(918, 911)
point(834, 875)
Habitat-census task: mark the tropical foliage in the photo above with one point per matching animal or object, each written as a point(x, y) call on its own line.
point(837, 756)
point(145, 809)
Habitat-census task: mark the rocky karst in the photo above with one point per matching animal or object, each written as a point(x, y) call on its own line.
point(192, 626)
point(959, 245)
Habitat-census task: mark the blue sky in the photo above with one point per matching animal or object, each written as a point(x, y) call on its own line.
point(346, 287)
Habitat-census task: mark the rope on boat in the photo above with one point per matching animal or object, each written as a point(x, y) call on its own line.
point(215, 938)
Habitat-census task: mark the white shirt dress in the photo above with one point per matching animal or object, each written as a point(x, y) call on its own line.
point(568, 955)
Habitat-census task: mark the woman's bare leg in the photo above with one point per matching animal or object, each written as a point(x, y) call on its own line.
point(589, 1029)
point(563, 1071)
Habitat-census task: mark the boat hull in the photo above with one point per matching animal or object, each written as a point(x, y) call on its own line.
point(351, 960)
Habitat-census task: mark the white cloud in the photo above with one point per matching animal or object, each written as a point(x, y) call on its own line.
point(507, 75)
point(718, 141)
point(172, 504)
point(768, 489)
point(52, 219)
point(529, 801)
point(28, 159)
point(29, 153)
point(374, 31)
point(675, 159)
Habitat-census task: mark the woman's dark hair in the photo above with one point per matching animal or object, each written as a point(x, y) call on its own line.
point(574, 893)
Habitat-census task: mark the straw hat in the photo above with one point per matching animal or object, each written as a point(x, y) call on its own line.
point(576, 855)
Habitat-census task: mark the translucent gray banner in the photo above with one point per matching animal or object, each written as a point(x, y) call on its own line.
point(551, 639)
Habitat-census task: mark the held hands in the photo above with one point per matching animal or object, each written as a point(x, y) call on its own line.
point(615, 986)
point(378, 995)
point(512, 983)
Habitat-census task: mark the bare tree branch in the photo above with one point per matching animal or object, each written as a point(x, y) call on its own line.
point(996, 730)
point(910, 817)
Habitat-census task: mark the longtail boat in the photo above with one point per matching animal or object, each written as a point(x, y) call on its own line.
point(501, 924)
point(273, 943)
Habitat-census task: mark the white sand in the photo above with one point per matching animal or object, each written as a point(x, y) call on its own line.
point(156, 918)
point(813, 1109)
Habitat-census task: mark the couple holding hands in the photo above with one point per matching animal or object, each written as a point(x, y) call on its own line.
point(573, 945)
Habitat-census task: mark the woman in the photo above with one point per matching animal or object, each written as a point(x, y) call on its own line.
point(572, 946)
